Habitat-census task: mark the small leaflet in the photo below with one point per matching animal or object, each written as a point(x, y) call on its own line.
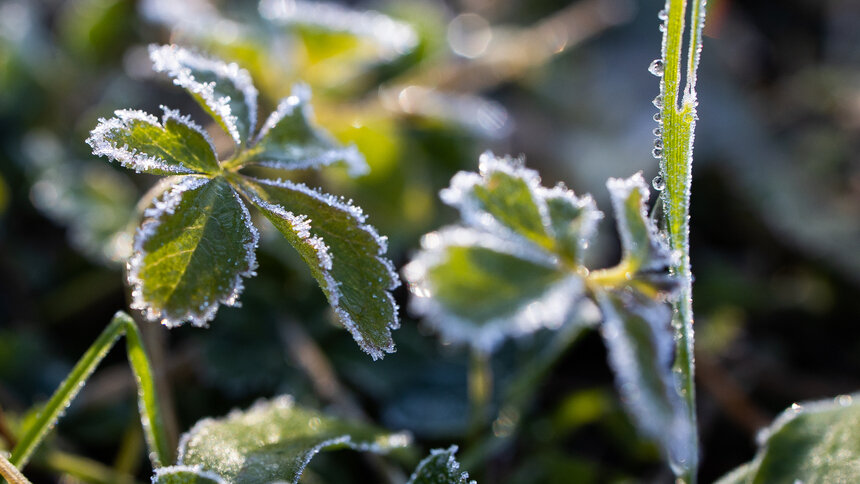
point(507, 272)
point(191, 252)
point(224, 90)
point(288, 139)
point(394, 38)
point(440, 467)
point(345, 254)
point(136, 140)
point(185, 475)
point(274, 440)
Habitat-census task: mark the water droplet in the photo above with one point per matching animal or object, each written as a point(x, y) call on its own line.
point(658, 143)
point(658, 117)
point(844, 400)
point(796, 407)
point(656, 67)
point(662, 27)
point(657, 152)
point(658, 131)
point(663, 14)
point(658, 102)
point(658, 183)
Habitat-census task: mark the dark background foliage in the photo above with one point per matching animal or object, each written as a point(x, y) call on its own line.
point(775, 227)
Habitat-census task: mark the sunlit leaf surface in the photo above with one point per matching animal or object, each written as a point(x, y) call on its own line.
point(274, 441)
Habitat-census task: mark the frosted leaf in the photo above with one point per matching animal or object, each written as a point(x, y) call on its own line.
point(224, 90)
point(345, 255)
point(638, 335)
point(440, 467)
point(289, 141)
point(812, 442)
point(506, 198)
point(185, 475)
point(513, 269)
point(138, 141)
point(477, 288)
point(274, 440)
point(394, 38)
point(191, 252)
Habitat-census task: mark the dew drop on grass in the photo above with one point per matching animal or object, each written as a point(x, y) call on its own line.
point(657, 152)
point(658, 117)
point(658, 131)
point(658, 183)
point(658, 102)
point(663, 15)
point(658, 143)
point(656, 67)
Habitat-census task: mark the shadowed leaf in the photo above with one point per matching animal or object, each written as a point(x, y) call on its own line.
point(440, 467)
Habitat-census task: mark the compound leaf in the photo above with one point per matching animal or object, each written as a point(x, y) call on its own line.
point(274, 441)
point(289, 140)
point(476, 287)
point(440, 467)
point(345, 254)
point(813, 443)
point(136, 140)
point(225, 91)
point(514, 267)
point(191, 252)
point(185, 475)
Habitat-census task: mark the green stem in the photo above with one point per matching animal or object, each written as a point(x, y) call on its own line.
point(678, 115)
point(121, 324)
point(480, 389)
point(10, 472)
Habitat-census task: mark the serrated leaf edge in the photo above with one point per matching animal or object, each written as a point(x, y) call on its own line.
point(196, 469)
point(303, 226)
point(299, 98)
point(551, 310)
point(100, 141)
point(170, 59)
point(452, 465)
point(165, 205)
point(287, 402)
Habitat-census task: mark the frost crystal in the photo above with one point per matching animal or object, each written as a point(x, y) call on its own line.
point(181, 64)
point(395, 38)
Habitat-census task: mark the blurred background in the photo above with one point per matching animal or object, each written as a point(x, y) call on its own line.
point(421, 92)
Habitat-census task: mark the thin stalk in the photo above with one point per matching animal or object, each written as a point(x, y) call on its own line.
point(10, 472)
point(678, 122)
point(480, 390)
point(121, 324)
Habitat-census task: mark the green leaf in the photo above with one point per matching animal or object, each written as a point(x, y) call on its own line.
point(224, 90)
point(516, 265)
point(813, 443)
point(475, 287)
point(191, 252)
point(637, 323)
point(440, 467)
point(274, 441)
point(289, 140)
point(185, 475)
point(136, 140)
point(345, 255)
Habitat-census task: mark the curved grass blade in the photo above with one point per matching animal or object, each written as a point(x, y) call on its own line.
point(191, 252)
point(345, 255)
point(440, 467)
point(148, 403)
point(812, 442)
point(137, 141)
point(289, 140)
point(224, 90)
point(274, 441)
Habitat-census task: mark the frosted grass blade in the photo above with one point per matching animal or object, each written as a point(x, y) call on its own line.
point(150, 415)
point(10, 472)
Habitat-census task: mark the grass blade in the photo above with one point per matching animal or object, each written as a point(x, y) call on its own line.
point(10, 472)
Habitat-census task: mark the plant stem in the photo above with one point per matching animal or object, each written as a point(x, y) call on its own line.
point(10, 472)
point(678, 115)
point(480, 390)
point(121, 324)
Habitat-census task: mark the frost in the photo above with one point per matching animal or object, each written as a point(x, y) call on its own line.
point(395, 38)
point(185, 66)
point(163, 474)
point(102, 141)
point(325, 150)
point(175, 115)
point(440, 467)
